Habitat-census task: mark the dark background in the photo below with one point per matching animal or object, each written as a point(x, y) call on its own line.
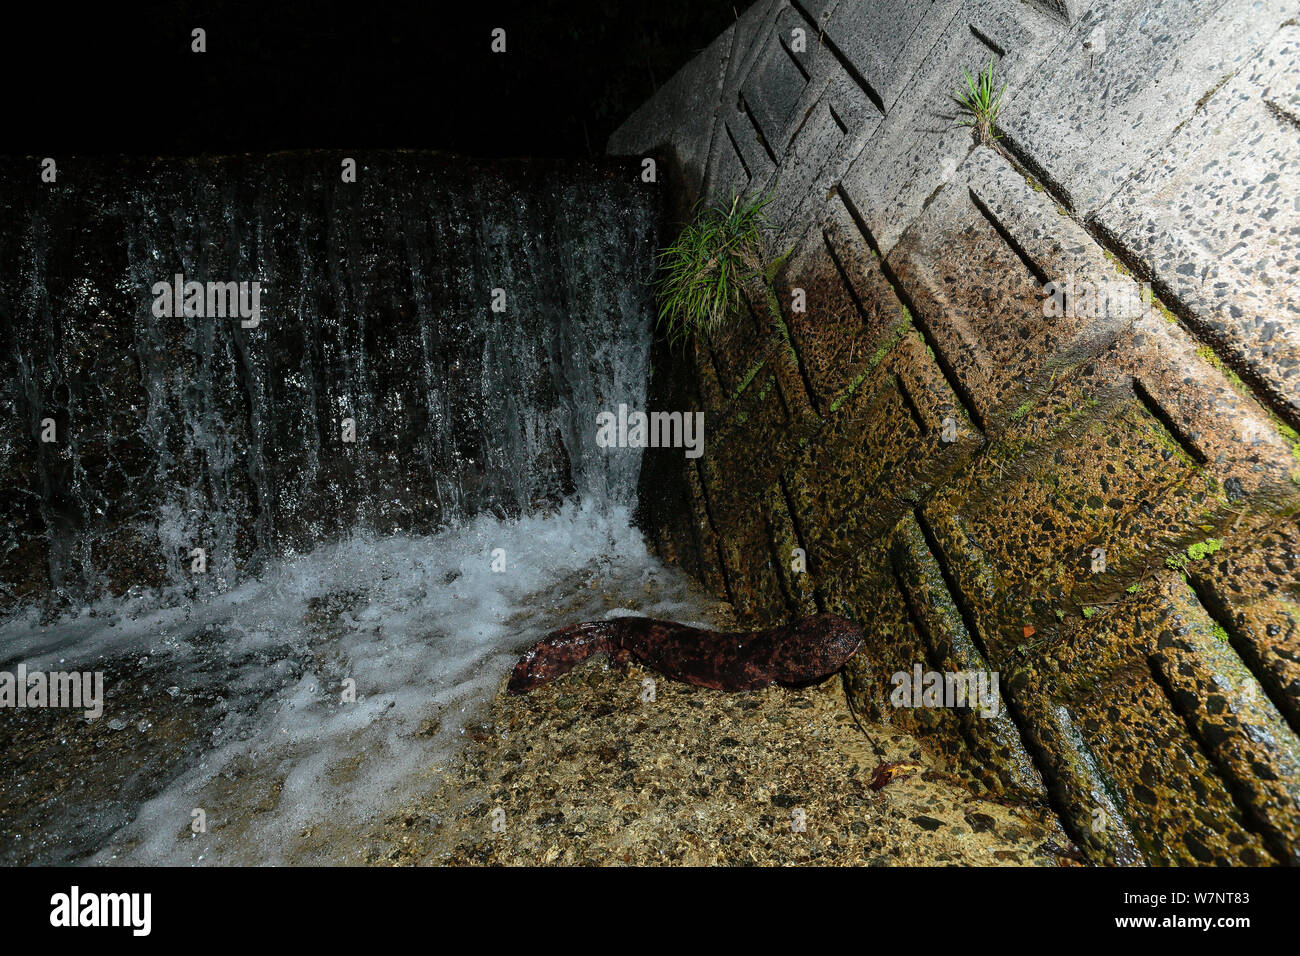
point(369, 73)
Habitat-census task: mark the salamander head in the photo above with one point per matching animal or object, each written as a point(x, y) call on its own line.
point(528, 673)
point(558, 652)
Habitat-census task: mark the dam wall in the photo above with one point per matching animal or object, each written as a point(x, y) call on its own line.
point(1027, 406)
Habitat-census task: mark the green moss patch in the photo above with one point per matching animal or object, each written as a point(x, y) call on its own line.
point(1195, 552)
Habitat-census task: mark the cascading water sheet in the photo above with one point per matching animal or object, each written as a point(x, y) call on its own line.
point(302, 539)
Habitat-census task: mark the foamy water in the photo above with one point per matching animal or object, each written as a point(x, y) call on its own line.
point(282, 766)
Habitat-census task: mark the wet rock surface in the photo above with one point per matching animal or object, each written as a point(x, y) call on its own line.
point(60, 767)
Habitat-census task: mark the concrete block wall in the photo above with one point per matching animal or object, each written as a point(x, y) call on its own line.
point(952, 459)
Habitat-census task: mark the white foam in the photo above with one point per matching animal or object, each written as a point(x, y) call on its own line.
point(427, 631)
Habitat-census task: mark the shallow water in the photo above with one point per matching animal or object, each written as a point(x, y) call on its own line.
point(235, 706)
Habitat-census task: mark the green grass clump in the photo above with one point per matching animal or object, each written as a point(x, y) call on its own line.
point(702, 273)
point(982, 100)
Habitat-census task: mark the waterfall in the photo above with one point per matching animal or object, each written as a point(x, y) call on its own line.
point(358, 602)
point(176, 433)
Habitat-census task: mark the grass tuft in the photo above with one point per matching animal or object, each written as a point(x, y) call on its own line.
point(981, 99)
point(702, 273)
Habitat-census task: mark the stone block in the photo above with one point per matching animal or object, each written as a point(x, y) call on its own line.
point(1214, 221)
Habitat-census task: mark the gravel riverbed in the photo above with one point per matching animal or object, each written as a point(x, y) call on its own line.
point(594, 769)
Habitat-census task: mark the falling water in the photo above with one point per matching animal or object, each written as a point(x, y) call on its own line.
point(377, 307)
point(186, 509)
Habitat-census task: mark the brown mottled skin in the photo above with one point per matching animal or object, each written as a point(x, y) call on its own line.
point(795, 655)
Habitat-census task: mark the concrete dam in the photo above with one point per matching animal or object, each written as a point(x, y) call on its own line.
point(1026, 405)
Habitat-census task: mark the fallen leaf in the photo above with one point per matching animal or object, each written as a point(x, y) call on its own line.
point(887, 773)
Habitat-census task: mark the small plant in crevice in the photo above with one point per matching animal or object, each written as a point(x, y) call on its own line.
point(981, 99)
point(1195, 552)
point(703, 271)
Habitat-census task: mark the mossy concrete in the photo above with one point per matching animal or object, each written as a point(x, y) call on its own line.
point(1099, 506)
